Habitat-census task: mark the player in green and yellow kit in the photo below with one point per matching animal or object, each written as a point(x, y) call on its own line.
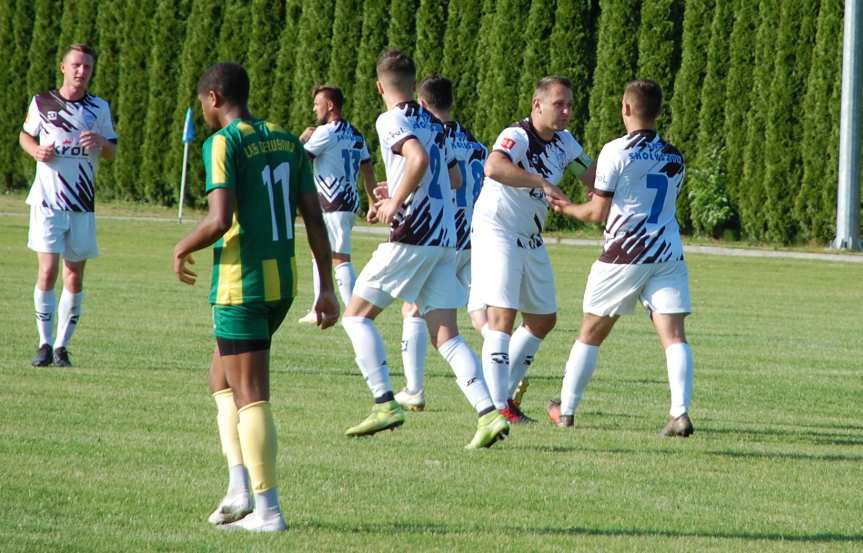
point(257, 176)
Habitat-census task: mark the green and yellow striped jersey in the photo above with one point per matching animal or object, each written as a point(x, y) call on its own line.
point(267, 169)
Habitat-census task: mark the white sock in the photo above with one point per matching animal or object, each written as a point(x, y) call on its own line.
point(316, 284)
point(579, 369)
point(267, 503)
point(678, 359)
point(345, 279)
point(238, 480)
point(45, 302)
point(483, 330)
point(467, 371)
point(370, 353)
point(68, 314)
point(495, 366)
point(415, 337)
point(522, 347)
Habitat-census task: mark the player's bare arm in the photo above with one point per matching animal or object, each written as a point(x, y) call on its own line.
point(326, 306)
point(588, 177)
point(500, 168)
point(220, 213)
point(416, 164)
point(307, 134)
point(594, 210)
point(92, 139)
point(43, 153)
point(369, 184)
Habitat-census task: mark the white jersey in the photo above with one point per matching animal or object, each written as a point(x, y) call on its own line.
point(337, 150)
point(522, 211)
point(427, 218)
point(66, 183)
point(470, 155)
point(643, 174)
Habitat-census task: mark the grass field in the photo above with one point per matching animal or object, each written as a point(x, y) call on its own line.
point(121, 453)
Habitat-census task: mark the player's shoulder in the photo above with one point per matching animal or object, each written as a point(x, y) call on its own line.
point(97, 102)
point(568, 140)
point(617, 148)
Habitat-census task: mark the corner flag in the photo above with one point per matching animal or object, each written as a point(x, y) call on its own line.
point(188, 127)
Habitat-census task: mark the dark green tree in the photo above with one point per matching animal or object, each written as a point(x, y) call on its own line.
point(312, 56)
point(573, 55)
point(282, 90)
point(505, 74)
point(163, 74)
point(659, 48)
point(815, 206)
point(686, 100)
point(42, 72)
point(13, 98)
point(110, 21)
point(431, 24)
point(267, 20)
point(347, 31)
point(459, 57)
point(199, 53)
point(616, 60)
point(401, 32)
point(782, 149)
point(537, 47)
point(751, 187)
point(86, 29)
point(485, 42)
point(68, 26)
point(234, 42)
point(133, 96)
point(738, 91)
point(367, 102)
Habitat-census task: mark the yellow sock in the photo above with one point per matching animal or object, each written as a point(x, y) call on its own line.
point(227, 420)
point(258, 439)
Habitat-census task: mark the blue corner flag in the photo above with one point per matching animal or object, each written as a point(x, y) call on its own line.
point(188, 127)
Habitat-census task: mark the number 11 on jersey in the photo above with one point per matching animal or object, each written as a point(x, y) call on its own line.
point(279, 177)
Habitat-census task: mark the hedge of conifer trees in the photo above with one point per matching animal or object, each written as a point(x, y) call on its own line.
point(752, 87)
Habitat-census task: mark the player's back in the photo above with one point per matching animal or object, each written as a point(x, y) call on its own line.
point(644, 173)
point(470, 155)
point(267, 169)
point(337, 149)
point(428, 216)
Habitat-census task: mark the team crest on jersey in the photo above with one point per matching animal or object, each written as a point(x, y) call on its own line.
point(51, 115)
point(507, 143)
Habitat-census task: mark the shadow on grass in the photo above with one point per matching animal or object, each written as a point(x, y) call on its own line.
point(815, 437)
point(826, 457)
point(453, 529)
point(791, 456)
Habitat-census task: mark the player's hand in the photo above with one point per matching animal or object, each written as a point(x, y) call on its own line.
point(44, 153)
point(184, 274)
point(387, 210)
point(372, 215)
point(326, 309)
point(560, 205)
point(553, 192)
point(307, 134)
point(92, 139)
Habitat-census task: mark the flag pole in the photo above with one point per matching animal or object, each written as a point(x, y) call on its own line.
point(183, 182)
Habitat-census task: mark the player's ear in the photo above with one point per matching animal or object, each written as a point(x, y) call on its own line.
point(380, 87)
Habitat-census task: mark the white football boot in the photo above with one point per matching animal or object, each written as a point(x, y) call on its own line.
point(411, 402)
point(232, 508)
point(309, 318)
point(257, 522)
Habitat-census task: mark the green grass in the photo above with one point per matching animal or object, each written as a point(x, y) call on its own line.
point(121, 453)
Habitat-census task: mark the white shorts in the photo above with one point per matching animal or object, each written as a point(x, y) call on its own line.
point(505, 275)
point(339, 226)
point(424, 275)
point(613, 289)
point(71, 234)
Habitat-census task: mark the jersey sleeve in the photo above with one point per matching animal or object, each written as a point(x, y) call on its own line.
point(577, 159)
point(33, 123)
point(219, 163)
point(319, 141)
point(512, 142)
point(608, 168)
point(105, 125)
point(394, 130)
point(365, 157)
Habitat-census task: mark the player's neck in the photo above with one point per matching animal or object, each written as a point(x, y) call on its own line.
point(395, 97)
point(334, 117)
point(633, 125)
point(72, 93)
point(443, 115)
point(545, 133)
point(231, 113)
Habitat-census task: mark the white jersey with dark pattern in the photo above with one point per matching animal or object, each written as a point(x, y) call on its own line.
point(337, 150)
point(66, 183)
point(643, 174)
point(470, 155)
point(522, 211)
point(427, 218)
